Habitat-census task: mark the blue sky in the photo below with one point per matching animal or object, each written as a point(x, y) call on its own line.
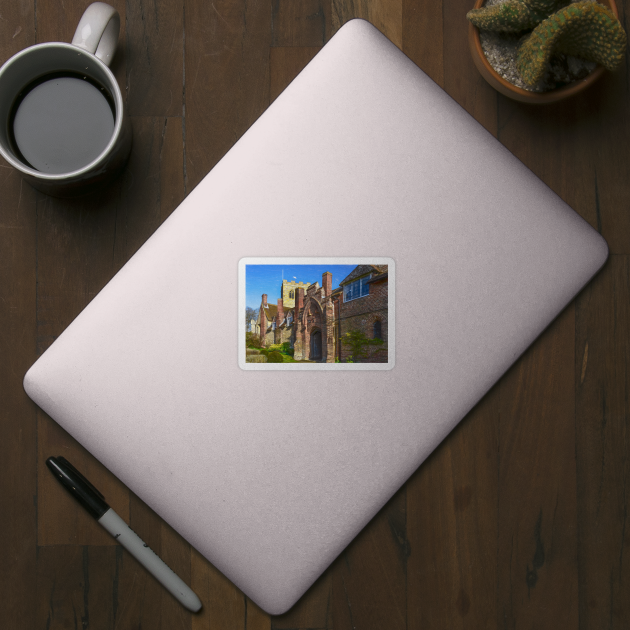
point(267, 279)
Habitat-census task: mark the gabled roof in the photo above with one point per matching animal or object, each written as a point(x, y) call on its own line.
point(361, 270)
point(270, 311)
point(285, 321)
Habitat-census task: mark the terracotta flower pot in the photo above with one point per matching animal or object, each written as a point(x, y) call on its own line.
point(519, 94)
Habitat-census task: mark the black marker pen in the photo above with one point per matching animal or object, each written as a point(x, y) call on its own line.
point(94, 502)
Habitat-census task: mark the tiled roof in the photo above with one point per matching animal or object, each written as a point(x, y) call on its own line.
point(270, 311)
point(361, 270)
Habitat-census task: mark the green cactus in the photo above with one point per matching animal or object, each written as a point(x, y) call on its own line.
point(584, 29)
point(513, 16)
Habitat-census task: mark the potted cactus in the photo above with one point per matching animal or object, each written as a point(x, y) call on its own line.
point(558, 49)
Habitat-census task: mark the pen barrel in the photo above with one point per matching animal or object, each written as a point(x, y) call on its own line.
point(149, 559)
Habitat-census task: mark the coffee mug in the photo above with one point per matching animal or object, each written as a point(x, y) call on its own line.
point(62, 114)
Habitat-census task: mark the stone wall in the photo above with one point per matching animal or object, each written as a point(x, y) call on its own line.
point(287, 334)
point(283, 334)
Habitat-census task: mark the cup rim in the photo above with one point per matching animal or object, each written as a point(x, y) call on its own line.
point(118, 122)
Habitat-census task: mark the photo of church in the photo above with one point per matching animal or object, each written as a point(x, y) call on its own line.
point(324, 314)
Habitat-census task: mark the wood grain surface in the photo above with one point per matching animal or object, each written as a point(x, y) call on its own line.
point(518, 520)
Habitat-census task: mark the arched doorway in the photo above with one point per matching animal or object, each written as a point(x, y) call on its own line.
point(316, 345)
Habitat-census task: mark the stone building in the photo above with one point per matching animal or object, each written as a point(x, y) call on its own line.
point(315, 337)
point(274, 322)
point(312, 318)
point(254, 326)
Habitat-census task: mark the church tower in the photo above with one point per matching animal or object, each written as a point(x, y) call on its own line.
point(289, 292)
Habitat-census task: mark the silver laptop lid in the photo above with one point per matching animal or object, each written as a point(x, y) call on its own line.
point(271, 473)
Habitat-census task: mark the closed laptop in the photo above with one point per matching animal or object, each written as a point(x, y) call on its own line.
point(439, 243)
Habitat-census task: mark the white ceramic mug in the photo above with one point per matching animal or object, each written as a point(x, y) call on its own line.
point(88, 57)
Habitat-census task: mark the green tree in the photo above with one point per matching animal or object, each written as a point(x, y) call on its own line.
point(359, 344)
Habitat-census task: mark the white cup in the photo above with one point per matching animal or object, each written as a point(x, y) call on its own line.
point(88, 57)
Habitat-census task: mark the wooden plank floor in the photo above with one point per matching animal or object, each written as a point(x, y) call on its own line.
point(518, 520)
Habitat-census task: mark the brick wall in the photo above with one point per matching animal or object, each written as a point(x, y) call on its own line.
point(360, 314)
point(263, 324)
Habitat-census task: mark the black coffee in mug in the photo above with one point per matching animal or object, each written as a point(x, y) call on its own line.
point(61, 122)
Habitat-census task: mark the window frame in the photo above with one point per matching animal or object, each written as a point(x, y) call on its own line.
point(362, 280)
point(380, 329)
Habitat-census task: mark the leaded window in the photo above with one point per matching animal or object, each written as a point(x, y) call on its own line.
point(377, 329)
point(357, 289)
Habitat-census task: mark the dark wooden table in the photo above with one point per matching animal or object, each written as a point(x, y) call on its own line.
point(518, 520)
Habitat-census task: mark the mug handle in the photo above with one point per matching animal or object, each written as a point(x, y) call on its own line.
point(98, 30)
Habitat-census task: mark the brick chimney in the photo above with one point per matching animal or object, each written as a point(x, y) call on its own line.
point(299, 301)
point(264, 299)
point(327, 283)
point(280, 313)
point(263, 322)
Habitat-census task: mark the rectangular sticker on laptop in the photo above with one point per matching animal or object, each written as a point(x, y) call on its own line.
point(316, 313)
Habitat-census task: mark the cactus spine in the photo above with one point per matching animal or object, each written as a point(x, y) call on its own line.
point(584, 29)
point(513, 16)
